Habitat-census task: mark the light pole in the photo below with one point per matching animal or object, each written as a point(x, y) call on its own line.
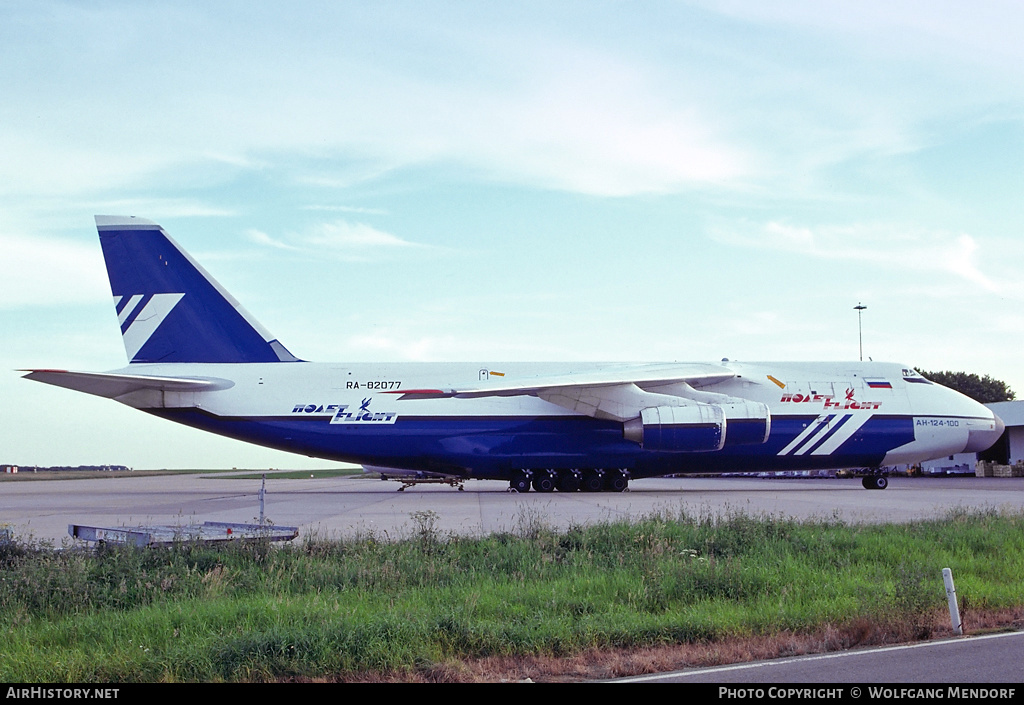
point(860, 335)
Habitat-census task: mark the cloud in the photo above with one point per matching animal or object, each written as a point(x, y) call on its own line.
point(346, 209)
point(983, 33)
point(405, 345)
point(261, 238)
point(888, 246)
point(537, 108)
point(344, 236)
point(46, 271)
point(339, 239)
point(592, 122)
point(625, 104)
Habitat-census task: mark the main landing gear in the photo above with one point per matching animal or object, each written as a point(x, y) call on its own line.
point(590, 480)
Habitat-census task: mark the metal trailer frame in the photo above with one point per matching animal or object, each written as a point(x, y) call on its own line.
point(209, 532)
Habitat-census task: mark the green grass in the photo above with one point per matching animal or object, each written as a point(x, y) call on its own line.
point(340, 608)
point(51, 475)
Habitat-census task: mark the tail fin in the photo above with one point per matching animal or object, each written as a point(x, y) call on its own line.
point(169, 308)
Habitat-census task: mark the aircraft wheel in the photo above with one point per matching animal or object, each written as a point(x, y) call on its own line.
point(616, 481)
point(544, 482)
point(592, 482)
point(568, 481)
point(520, 482)
point(875, 482)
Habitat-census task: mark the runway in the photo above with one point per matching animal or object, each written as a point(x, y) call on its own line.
point(350, 506)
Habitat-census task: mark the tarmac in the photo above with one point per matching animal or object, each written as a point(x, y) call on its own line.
point(336, 507)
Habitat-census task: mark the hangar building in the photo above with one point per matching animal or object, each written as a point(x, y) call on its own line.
point(1008, 450)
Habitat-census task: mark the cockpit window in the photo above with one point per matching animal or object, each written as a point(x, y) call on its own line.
point(914, 377)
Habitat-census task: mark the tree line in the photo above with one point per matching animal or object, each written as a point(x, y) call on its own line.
point(981, 388)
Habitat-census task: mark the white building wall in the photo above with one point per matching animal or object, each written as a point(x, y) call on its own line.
point(1016, 445)
point(1012, 414)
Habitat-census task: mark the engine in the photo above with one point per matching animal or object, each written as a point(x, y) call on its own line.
point(693, 428)
point(748, 422)
point(700, 428)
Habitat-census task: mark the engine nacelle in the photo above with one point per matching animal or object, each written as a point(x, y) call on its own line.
point(747, 422)
point(694, 428)
point(699, 427)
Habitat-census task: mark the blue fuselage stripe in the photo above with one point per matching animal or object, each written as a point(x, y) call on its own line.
point(496, 446)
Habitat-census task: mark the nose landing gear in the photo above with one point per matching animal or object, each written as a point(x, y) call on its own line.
point(875, 482)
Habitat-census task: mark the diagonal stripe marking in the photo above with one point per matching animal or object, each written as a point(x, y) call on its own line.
point(129, 304)
point(149, 319)
point(813, 428)
point(818, 442)
point(833, 443)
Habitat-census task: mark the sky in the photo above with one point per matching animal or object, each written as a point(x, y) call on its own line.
point(486, 182)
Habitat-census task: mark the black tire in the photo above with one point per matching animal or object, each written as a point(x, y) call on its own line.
point(520, 482)
point(616, 481)
point(568, 481)
point(875, 482)
point(544, 482)
point(592, 482)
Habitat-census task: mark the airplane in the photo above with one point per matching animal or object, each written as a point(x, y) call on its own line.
point(197, 357)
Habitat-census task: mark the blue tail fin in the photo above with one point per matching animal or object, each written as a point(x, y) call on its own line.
point(169, 308)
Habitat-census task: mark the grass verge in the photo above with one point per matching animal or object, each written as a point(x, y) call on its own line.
point(534, 602)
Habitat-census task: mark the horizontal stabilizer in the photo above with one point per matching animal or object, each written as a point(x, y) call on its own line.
point(112, 385)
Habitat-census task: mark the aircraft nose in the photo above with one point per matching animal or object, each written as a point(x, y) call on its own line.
point(982, 435)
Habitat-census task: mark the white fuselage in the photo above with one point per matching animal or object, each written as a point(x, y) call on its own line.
point(822, 415)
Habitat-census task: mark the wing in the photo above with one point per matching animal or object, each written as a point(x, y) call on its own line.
point(618, 393)
point(640, 375)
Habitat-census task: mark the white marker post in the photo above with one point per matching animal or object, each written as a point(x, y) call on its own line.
point(263, 494)
point(954, 609)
